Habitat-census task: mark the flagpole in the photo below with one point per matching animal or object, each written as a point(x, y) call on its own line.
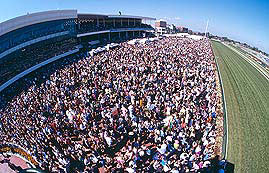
point(206, 27)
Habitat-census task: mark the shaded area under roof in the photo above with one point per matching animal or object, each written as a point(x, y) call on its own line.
point(130, 16)
point(100, 16)
point(92, 16)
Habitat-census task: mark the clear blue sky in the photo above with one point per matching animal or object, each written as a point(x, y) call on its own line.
point(243, 20)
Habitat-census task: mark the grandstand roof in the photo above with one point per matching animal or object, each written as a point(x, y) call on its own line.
point(45, 16)
point(34, 18)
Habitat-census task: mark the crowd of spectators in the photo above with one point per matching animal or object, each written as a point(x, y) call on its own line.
point(138, 108)
point(30, 56)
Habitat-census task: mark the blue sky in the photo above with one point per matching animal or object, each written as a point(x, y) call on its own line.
point(242, 20)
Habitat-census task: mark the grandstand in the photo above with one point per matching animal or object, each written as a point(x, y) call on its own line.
point(150, 105)
point(28, 40)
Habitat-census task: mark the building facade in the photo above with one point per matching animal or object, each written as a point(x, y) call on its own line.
point(160, 27)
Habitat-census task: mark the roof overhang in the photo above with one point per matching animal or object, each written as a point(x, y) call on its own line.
point(34, 18)
point(91, 16)
point(131, 17)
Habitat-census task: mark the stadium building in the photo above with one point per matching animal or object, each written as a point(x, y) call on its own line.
point(31, 41)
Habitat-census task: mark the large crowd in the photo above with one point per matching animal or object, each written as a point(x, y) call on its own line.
point(137, 108)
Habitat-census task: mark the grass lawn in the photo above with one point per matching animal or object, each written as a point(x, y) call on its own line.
point(247, 99)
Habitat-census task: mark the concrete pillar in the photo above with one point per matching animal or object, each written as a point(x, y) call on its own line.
point(114, 22)
point(128, 22)
point(133, 33)
point(119, 34)
point(126, 34)
point(97, 21)
point(78, 25)
point(109, 37)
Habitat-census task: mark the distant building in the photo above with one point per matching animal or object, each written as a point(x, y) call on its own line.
point(171, 29)
point(190, 32)
point(185, 30)
point(160, 27)
point(160, 23)
point(179, 28)
point(182, 29)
